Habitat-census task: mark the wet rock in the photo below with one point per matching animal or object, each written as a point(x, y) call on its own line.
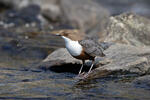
point(142, 82)
point(119, 58)
point(58, 58)
point(86, 15)
point(124, 59)
point(130, 29)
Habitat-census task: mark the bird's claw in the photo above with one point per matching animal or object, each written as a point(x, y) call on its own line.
point(82, 76)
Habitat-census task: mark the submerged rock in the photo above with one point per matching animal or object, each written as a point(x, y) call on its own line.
point(119, 58)
point(142, 82)
point(128, 28)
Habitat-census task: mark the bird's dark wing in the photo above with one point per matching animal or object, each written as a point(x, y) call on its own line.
point(92, 48)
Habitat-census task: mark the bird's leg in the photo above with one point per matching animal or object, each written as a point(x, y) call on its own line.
point(81, 67)
point(91, 66)
point(80, 75)
point(85, 76)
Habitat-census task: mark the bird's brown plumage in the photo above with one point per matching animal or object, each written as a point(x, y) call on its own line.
point(72, 34)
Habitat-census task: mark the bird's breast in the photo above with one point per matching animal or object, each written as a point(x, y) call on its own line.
point(74, 48)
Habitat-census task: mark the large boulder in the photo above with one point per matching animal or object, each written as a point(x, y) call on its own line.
point(128, 28)
point(86, 15)
point(119, 58)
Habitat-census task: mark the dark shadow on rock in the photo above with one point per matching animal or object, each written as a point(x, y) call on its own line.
point(63, 67)
point(73, 68)
point(120, 59)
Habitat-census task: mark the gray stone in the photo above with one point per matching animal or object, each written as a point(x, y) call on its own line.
point(142, 82)
point(61, 56)
point(125, 59)
point(119, 59)
point(24, 3)
point(140, 7)
point(86, 15)
point(142, 79)
point(49, 8)
point(128, 29)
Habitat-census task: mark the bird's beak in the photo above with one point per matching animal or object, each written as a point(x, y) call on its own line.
point(57, 34)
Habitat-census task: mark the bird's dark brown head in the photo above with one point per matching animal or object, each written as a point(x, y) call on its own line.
point(73, 34)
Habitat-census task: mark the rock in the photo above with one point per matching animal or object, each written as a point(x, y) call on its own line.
point(24, 37)
point(86, 15)
point(136, 6)
point(51, 11)
point(142, 82)
point(125, 59)
point(49, 8)
point(61, 54)
point(130, 29)
point(26, 16)
point(119, 58)
point(58, 58)
point(23, 3)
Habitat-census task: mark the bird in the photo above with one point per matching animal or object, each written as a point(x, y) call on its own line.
point(79, 48)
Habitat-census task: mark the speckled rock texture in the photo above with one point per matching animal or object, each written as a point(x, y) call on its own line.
point(129, 29)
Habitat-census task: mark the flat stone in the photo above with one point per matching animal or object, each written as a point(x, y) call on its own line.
point(119, 58)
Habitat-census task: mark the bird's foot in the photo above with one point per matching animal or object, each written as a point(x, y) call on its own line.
point(85, 75)
point(80, 76)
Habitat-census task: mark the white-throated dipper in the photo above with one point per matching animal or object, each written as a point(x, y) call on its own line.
point(83, 49)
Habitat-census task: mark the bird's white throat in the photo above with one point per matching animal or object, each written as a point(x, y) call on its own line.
point(73, 47)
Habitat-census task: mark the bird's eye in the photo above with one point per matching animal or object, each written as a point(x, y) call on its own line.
point(58, 34)
point(65, 34)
